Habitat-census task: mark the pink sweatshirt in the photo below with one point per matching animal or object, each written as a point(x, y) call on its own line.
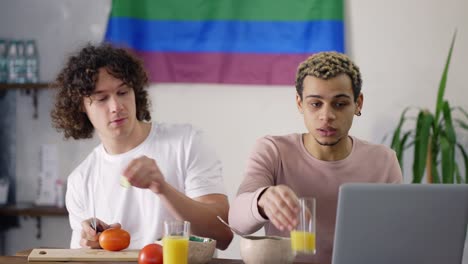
point(284, 160)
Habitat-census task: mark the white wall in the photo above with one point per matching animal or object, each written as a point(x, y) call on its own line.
point(399, 45)
point(59, 27)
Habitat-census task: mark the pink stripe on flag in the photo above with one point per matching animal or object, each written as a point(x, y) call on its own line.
point(229, 68)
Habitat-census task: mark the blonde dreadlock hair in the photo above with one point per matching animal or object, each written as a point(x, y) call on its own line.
point(327, 65)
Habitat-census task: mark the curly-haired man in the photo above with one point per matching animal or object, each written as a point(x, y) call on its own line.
point(314, 164)
point(173, 174)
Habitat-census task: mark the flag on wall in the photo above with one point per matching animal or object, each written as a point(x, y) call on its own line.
point(226, 41)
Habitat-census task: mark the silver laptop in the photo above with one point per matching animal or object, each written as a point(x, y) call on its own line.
point(400, 223)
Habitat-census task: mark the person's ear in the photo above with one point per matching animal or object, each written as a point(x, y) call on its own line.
point(359, 104)
point(299, 103)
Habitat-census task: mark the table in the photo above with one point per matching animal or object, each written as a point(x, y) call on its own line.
point(22, 258)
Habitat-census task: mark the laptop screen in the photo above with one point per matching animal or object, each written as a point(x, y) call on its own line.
point(400, 223)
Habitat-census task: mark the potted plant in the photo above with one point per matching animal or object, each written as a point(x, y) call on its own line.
point(434, 138)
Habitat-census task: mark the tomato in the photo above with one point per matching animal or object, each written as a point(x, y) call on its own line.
point(114, 239)
point(151, 254)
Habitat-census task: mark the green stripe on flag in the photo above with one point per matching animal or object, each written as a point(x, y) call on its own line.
point(249, 10)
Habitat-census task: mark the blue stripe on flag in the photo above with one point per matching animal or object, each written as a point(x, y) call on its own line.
point(227, 36)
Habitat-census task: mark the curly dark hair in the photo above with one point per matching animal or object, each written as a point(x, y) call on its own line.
point(326, 65)
point(78, 80)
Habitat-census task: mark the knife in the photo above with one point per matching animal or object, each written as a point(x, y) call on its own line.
point(93, 222)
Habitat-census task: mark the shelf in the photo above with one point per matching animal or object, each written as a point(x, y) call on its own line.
point(6, 86)
point(27, 88)
point(32, 210)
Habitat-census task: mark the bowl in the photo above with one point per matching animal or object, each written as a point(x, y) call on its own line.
point(266, 250)
point(201, 249)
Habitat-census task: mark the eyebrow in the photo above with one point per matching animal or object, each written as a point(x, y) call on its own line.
point(99, 92)
point(321, 97)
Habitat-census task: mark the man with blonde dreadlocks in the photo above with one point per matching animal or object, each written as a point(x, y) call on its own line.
point(314, 164)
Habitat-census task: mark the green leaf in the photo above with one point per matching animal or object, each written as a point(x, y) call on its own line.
point(457, 173)
point(401, 148)
point(396, 135)
point(448, 159)
point(449, 130)
point(461, 110)
point(410, 144)
point(397, 143)
point(421, 141)
point(447, 145)
point(465, 159)
point(461, 123)
point(404, 139)
point(435, 173)
point(443, 80)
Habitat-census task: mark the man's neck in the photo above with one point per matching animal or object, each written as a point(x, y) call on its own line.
point(328, 153)
point(121, 145)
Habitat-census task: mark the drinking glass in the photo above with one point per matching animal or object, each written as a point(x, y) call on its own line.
point(176, 241)
point(303, 235)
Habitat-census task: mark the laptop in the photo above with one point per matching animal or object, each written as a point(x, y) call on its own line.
point(400, 223)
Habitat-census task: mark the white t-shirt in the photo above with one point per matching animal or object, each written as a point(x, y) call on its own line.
point(185, 161)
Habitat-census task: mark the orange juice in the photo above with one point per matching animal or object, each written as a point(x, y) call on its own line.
point(175, 250)
point(302, 241)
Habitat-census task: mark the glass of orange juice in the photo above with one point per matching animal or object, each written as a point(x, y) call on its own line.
point(303, 235)
point(176, 241)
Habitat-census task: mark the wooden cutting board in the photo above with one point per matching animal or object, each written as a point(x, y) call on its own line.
point(41, 254)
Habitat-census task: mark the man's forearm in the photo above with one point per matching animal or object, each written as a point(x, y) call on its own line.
point(201, 213)
point(244, 214)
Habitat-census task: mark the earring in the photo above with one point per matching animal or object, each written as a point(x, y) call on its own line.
point(358, 113)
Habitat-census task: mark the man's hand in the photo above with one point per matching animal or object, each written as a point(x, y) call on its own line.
point(89, 236)
point(280, 204)
point(144, 173)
